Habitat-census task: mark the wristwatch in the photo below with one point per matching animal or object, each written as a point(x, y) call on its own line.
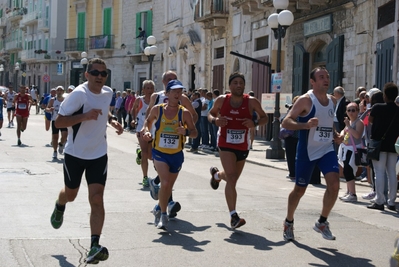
point(256, 122)
point(112, 118)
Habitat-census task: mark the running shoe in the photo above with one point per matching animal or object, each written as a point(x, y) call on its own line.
point(57, 217)
point(154, 189)
point(349, 198)
point(60, 148)
point(54, 154)
point(19, 142)
point(157, 214)
point(324, 229)
point(12, 124)
point(236, 221)
point(96, 254)
point(145, 181)
point(214, 182)
point(163, 222)
point(369, 196)
point(173, 209)
point(9, 125)
point(344, 196)
point(288, 231)
point(138, 156)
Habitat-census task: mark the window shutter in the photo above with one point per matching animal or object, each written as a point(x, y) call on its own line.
point(335, 58)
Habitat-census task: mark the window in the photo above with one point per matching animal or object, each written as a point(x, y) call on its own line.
point(143, 20)
point(262, 43)
point(386, 14)
point(219, 52)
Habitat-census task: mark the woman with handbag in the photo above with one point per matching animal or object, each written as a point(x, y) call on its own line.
point(384, 132)
point(352, 141)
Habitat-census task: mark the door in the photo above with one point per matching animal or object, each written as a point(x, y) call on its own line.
point(261, 84)
point(300, 84)
point(218, 78)
point(384, 62)
point(335, 58)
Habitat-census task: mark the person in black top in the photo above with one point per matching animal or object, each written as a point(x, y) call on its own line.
point(385, 126)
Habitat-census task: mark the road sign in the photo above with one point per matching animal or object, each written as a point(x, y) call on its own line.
point(46, 78)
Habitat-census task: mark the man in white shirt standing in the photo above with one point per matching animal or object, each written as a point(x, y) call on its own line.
point(204, 118)
point(85, 112)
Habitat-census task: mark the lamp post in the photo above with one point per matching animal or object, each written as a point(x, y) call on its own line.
point(278, 22)
point(2, 73)
point(83, 62)
point(150, 51)
point(17, 67)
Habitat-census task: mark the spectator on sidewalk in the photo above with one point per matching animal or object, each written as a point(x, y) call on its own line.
point(204, 119)
point(197, 105)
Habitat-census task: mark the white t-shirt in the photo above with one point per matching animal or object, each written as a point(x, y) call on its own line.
point(204, 102)
point(56, 105)
point(33, 94)
point(87, 140)
point(140, 116)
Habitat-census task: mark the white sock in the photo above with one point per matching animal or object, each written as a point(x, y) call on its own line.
point(232, 212)
point(216, 176)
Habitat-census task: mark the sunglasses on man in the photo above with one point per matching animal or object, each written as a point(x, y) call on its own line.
point(97, 72)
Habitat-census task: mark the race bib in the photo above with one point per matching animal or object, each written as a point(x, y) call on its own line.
point(169, 141)
point(235, 136)
point(21, 106)
point(323, 134)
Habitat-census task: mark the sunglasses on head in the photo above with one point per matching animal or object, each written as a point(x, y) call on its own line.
point(351, 110)
point(97, 72)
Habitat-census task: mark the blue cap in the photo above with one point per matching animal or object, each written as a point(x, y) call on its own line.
point(174, 84)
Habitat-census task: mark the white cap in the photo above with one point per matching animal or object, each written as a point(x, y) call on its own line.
point(372, 91)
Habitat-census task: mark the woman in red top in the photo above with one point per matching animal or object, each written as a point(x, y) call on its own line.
point(22, 101)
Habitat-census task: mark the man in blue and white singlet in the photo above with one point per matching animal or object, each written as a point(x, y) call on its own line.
point(313, 115)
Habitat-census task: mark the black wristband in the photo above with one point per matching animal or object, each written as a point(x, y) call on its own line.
point(187, 133)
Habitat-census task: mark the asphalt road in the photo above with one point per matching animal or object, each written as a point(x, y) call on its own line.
point(200, 235)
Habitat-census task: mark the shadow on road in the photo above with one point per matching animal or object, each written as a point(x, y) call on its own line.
point(332, 257)
point(63, 261)
point(177, 237)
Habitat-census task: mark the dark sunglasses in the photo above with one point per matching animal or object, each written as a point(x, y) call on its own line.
point(96, 73)
point(351, 110)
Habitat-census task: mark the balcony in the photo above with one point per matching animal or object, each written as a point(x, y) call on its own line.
point(13, 45)
point(30, 18)
point(51, 56)
point(15, 15)
point(43, 24)
point(75, 46)
point(213, 13)
point(251, 7)
point(101, 43)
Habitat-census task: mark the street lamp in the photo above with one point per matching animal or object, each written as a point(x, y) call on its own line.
point(278, 22)
point(83, 62)
point(1, 73)
point(17, 67)
point(150, 51)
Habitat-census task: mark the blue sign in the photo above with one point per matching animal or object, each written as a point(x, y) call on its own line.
point(60, 68)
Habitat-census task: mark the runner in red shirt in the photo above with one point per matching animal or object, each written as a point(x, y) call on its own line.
point(232, 113)
point(22, 102)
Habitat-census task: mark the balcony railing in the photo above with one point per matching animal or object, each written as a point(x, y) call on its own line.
point(212, 13)
point(43, 24)
point(30, 18)
point(15, 15)
point(101, 42)
point(75, 44)
point(210, 9)
point(33, 55)
point(13, 45)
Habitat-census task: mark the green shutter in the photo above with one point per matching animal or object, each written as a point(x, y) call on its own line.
point(148, 28)
point(81, 31)
point(107, 23)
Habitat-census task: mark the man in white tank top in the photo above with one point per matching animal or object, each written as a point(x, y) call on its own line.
point(313, 115)
point(9, 98)
point(139, 113)
point(53, 107)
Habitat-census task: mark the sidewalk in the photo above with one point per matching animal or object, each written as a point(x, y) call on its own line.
point(257, 155)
